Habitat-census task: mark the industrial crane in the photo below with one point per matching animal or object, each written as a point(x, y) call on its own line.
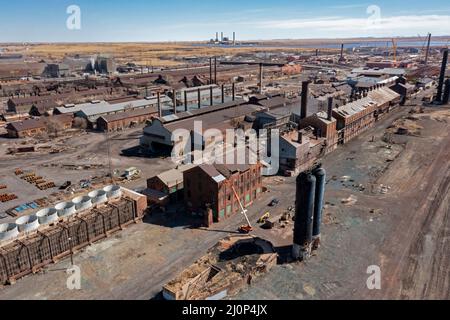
point(243, 229)
point(394, 44)
point(261, 68)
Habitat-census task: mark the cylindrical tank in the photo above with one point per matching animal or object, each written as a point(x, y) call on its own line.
point(27, 223)
point(113, 191)
point(98, 196)
point(320, 175)
point(303, 227)
point(65, 209)
point(47, 216)
point(8, 231)
point(82, 203)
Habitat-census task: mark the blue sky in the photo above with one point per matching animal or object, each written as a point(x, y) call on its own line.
point(184, 20)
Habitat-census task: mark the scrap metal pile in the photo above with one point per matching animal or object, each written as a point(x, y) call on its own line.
point(233, 263)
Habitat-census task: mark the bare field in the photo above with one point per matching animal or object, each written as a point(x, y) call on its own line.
point(154, 54)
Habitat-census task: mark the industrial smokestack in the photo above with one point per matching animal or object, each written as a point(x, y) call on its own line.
point(174, 101)
point(221, 36)
point(300, 137)
point(233, 89)
point(159, 104)
point(304, 207)
point(342, 52)
point(330, 109)
point(234, 38)
point(261, 71)
point(211, 95)
point(427, 54)
point(445, 99)
point(320, 175)
point(304, 102)
point(442, 76)
point(210, 71)
point(215, 70)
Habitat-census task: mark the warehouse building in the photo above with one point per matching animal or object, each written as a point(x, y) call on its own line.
point(324, 126)
point(361, 114)
point(210, 190)
point(35, 127)
point(24, 104)
point(299, 150)
point(45, 108)
point(94, 110)
point(157, 136)
point(126, 119)
point(167, 187)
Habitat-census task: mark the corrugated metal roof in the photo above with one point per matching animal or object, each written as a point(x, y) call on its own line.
point(355, 107)
point(37, 123)
point(174, 176)
point(130, 114)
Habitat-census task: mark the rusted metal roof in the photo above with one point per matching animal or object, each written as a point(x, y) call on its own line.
point(37, 123)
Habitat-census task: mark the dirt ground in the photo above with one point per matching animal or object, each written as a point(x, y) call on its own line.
point(387, 204)
point(80, 149)
point(402, 227)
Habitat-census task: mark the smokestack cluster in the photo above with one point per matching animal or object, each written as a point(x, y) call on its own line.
point(308, 213)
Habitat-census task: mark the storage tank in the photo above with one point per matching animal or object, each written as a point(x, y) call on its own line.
point(8, 231)
point(98, 196)
point(65, 209)
point(320, 175)
point(304, 212)
point(47, 216)
point(82, 203)
point(27, 223)
point(113, 191)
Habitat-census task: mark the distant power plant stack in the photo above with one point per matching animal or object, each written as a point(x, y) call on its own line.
point(224, 40)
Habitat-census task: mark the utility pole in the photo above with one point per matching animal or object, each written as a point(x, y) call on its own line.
point(210, 71)
point(215, 70)
point(108, 150)
point(261, 78)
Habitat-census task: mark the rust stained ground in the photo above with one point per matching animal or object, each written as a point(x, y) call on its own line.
point(405, 232)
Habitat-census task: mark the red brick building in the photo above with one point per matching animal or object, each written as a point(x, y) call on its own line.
point(124, 120)
point(211, 187)
point(34, 127)
point(325, 127)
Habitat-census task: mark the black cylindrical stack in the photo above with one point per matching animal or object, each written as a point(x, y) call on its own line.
point(320, 175)
point(442, 76)
point(446, 92)
point(303, 227)
point(304, 100)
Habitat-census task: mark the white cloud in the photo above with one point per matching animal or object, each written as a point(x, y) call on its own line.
point(396, 25)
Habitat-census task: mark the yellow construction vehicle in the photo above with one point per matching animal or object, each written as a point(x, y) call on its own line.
point(264, 218)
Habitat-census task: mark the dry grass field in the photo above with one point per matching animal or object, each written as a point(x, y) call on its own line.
point(154, 54)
